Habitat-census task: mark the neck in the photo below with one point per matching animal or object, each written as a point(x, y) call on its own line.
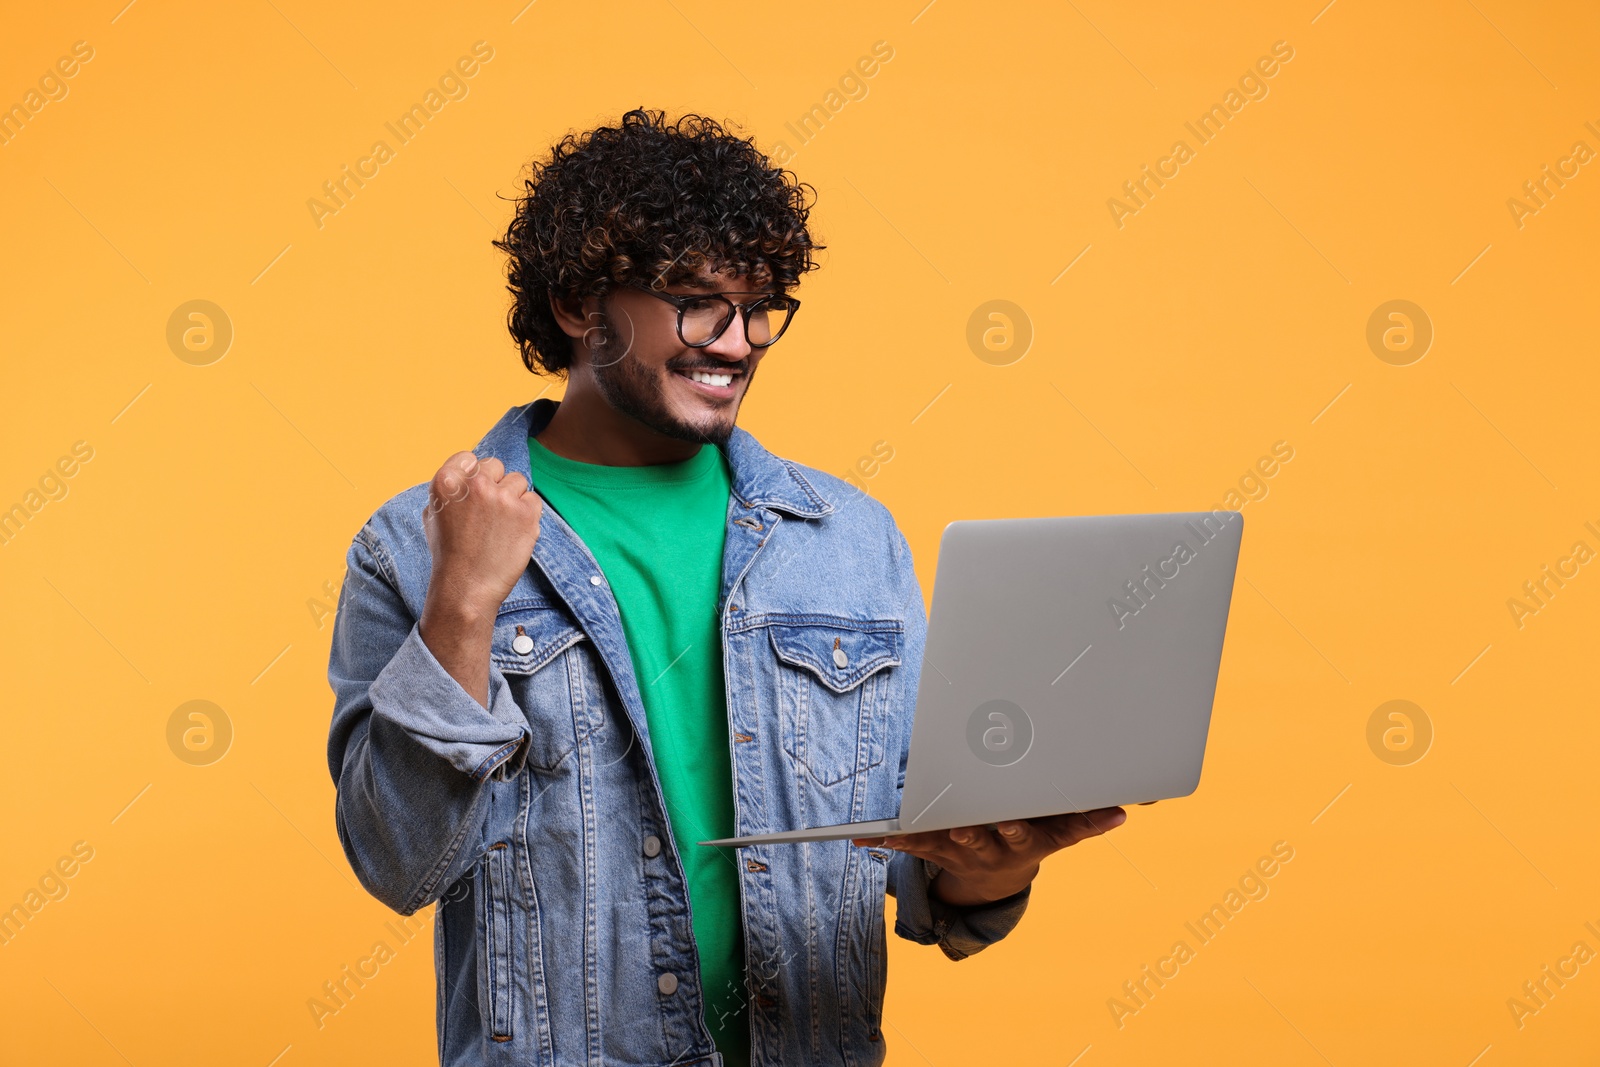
point(587, 429)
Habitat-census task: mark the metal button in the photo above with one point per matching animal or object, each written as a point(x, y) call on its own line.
point(594, 579)
point(840, 660)
point(667, 983)
point(522, 644)
point(652, 845)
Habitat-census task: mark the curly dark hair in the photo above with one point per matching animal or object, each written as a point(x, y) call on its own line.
point(647, 202)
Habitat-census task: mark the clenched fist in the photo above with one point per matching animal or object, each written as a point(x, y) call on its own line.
point(481, 524)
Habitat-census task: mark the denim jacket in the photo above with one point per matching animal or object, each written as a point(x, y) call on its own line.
point(562, 931)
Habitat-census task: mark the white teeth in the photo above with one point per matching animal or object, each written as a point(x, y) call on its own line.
point(710, 379)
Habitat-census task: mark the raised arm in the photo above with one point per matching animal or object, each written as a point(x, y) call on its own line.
point(421, 719)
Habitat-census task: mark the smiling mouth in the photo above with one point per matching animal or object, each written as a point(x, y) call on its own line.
point(714, 379)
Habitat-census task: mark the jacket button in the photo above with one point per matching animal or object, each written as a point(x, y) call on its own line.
point(840, 660)
point(667, 983)
point(594, 579)
point(652, 847)
point(522, 644)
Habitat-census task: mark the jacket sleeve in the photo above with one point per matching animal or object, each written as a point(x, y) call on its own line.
point(410, 750)
point(919, 916)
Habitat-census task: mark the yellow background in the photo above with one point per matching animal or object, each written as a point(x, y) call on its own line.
point(1228, 314)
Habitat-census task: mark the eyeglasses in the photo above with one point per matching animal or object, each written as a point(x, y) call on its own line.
point(702, 317)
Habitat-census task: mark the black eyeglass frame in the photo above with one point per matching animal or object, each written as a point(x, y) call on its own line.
point(682, 301)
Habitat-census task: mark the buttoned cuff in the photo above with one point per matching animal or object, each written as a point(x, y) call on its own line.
point(959, 930)
point(416, 693)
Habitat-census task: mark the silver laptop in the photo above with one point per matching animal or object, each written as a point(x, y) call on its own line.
point(1070, 665)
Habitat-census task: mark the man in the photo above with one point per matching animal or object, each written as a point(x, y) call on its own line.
point(594, 641)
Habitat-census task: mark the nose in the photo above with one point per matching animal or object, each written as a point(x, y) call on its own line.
point(732, 345)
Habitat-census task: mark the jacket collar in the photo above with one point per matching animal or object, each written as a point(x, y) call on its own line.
point(759, 479)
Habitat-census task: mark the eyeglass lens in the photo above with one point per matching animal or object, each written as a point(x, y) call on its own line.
point(707, 317)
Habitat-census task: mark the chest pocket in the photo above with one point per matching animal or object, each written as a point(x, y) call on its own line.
point(833, 690)
point(533, 647)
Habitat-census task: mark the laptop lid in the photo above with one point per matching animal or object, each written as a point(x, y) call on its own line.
point(1071, 664)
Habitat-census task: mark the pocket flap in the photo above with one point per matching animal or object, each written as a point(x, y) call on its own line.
point(839, 652)
point(530, 633)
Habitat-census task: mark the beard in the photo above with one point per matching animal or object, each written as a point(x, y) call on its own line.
point(632, 388)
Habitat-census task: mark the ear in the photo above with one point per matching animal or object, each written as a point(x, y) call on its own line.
point(574, 314)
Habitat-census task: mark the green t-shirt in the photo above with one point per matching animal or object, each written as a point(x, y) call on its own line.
point(657, 532)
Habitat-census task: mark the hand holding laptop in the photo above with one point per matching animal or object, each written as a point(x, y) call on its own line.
point(1076, 665)
point(979, 865)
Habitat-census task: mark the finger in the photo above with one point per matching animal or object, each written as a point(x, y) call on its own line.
point(896, 841)
point(448, 485)
point(944, 852)
point(922, 839)
point(934, 846)
point(1017, 836)
point(1070, 829)
point(944, 859)
point(1104, 820)
point(980, 843)
point(464, 461)
point(1061, 831)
